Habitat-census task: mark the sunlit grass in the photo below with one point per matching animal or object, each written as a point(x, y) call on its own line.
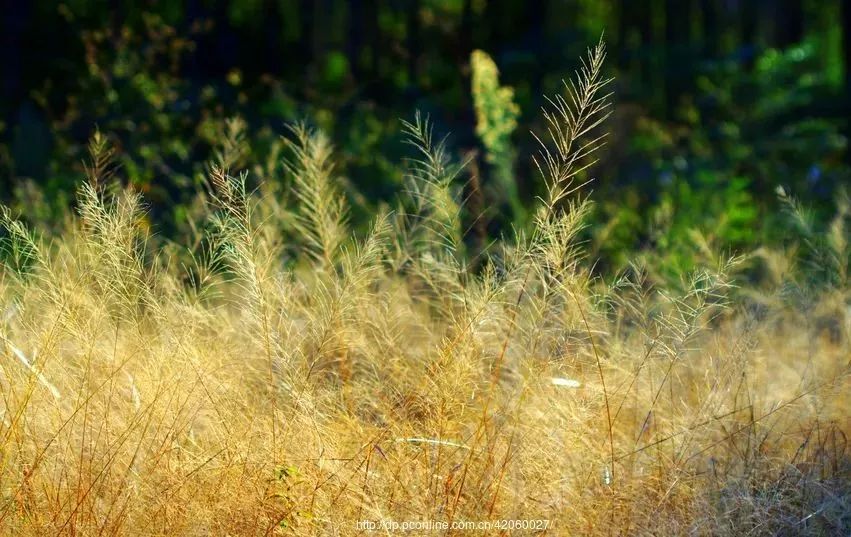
point(286, 376)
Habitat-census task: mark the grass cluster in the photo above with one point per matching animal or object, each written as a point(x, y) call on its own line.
point(282, 375)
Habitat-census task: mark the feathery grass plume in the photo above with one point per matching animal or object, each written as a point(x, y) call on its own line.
point(547, 260)
point(429, 234)
point(233, 149)
point(334, 314)
point(321, 218)
point(496, 120)
point(240, 243)
point(244, 213)
point(467, 307)
point(116, 246)
point(569, 151)
point(571, 124)
point(828, 252)
point(263, 290)
point(430, 187)
point(115, 238)
point(101, 166)
point(551, 281)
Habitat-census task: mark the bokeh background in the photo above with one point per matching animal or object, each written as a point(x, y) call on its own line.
point(717, 104)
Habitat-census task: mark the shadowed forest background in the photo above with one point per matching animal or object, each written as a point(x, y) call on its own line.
point(717, 102)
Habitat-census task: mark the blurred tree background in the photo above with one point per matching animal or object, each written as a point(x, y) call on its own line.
point(717, 104)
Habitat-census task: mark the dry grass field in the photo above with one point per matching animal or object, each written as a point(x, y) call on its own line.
point(283, 375)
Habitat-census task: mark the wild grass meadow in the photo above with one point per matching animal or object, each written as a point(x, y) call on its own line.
point(281, 371)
